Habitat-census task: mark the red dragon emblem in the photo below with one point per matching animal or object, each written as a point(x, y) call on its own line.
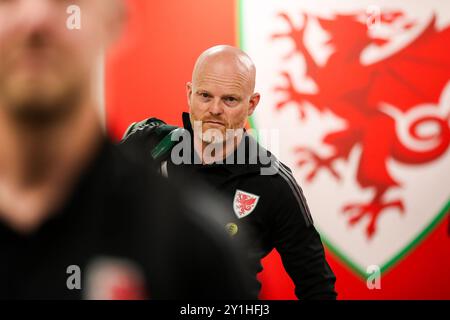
point(372, 99)
point(244, 203)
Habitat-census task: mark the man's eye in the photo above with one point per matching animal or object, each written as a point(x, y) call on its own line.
point(204, 95)
point(231, 101)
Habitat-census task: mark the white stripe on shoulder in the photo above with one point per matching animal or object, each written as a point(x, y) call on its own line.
point(127, 132)
point(297, 191)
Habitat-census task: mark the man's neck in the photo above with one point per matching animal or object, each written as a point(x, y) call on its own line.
point(39, 165)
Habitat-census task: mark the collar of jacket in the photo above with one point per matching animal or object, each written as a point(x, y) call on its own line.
point(252, 162)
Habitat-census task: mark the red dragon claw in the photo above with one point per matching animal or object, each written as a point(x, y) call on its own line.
point(373, 209)
point(291, 95)
point(309, 156)
point(296, 34)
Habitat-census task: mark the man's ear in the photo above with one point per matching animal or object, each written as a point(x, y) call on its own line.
point(189, 92)
point(254, 100)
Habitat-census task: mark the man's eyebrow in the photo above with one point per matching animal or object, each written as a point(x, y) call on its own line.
point(232, 95)
point(199, 91)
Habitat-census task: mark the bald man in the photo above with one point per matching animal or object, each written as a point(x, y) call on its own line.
point(264, 201)
point(76, 217)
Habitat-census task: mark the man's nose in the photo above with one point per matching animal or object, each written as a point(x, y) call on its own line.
point(38, 15)
point(216, 107)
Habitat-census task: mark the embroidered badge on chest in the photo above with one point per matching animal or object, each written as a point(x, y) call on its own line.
point(244, 203)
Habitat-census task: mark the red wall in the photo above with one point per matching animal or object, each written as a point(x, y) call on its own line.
point(145, 76)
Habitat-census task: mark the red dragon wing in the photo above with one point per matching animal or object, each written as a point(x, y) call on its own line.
point(416, 74)
point(250, 201)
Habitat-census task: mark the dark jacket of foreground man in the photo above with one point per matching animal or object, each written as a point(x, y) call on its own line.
point(123, 234)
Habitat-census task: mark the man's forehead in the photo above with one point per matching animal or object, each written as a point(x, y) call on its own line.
point(222, 65)
point(226, 69)
point(222, 74)
point(229, 83)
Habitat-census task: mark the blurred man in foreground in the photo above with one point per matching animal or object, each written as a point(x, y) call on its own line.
point(264, 200)
point(77, 218)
